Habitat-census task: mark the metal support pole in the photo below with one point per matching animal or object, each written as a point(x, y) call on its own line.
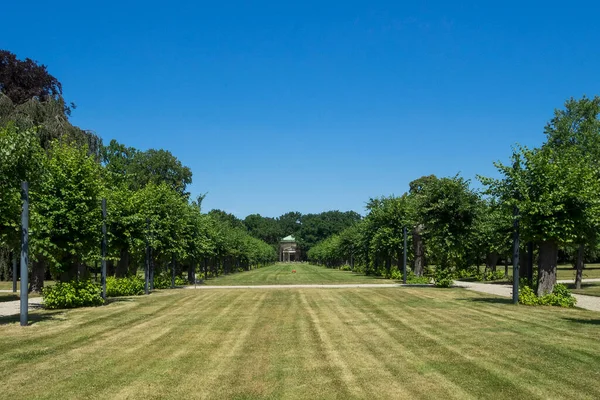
point(404, 261)
point(515, 296)
point(25, 254)
point(104, 245)
point(147, 267)
point(15, 271)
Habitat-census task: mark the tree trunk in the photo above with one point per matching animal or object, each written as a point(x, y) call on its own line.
point(122, 265)
point(547, 267)
point(579, 266)
point(70, 272)
point(191, 269)
point(418, 249)
point(151, 268)
point(523, 264)
point(491, 261)
point(38, 270)
point(83, 272)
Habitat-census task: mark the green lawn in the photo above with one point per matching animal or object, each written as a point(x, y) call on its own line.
point(304, 343)
point(8, 285)
point(563, 272)
point(591, 289)
point(589, 272)
point(281, 274)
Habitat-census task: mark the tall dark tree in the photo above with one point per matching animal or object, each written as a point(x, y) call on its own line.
point(23, 80)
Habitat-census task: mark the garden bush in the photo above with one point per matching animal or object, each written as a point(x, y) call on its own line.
point(73, 294)
point(560, 297)
point(442, 277)
point(130, 286)
point(494, 276)
point(163, 281)
point(181, 281)
point(470, 273)
point(413, 279)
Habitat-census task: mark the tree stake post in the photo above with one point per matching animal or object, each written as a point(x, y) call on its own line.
point(25, 254)
point(104, 245)
point(404, 261)
point(515, 296)
point(147, 266)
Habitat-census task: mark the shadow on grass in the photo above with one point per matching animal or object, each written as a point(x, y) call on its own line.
point(9, 297)
point(583, 321)
point(32, 318)
point(493, 300)
point(111, 300)
point(584, 285)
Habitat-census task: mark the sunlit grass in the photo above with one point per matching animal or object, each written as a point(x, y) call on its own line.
point(304, 343)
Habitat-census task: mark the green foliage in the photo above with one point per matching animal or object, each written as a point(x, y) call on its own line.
point(411, 278)
point(181, 281)
point(442, 277)
point(137, 168)
point(20, 160)
point(162, 281)
point(448, 209)
point(65, 210)
point(560, 297)
point(129, 286)
point(494, 276)
point(72, 294)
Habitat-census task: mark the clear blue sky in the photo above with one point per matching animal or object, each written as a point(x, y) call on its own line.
point(315, 105)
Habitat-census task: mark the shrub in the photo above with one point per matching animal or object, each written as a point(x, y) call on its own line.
point(396, 274)
point(181, 281)
point(412, 278)
point(527, 296)
point(494, 276)
point(360, 269)
point(131, 286)
point(560, 297)
point(162, 282)
point(346, 267)
point(442, 277)
point(72, 294)
point(470, 273)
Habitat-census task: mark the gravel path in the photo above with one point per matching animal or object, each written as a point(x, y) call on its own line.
point(587, 302)
point(14, 307)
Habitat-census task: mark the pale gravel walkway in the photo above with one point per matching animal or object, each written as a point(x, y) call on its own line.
point(14, 307)
point(587, 302)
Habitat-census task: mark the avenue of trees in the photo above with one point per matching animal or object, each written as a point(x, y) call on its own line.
point(551, 192)
point(70, 171)
point(307, 229)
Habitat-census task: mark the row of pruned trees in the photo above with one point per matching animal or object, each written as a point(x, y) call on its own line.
point(66, 187)
point(69, 173)
point(552, 193)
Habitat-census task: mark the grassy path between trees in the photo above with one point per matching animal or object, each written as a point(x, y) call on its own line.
point(304, 343)
point(281, 274)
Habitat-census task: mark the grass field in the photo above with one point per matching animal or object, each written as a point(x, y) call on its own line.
point(591, 289)
point(281, 274)
point(304, 343)
point(563, 272)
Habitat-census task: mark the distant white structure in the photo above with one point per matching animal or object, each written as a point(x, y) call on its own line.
point(289, 250)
